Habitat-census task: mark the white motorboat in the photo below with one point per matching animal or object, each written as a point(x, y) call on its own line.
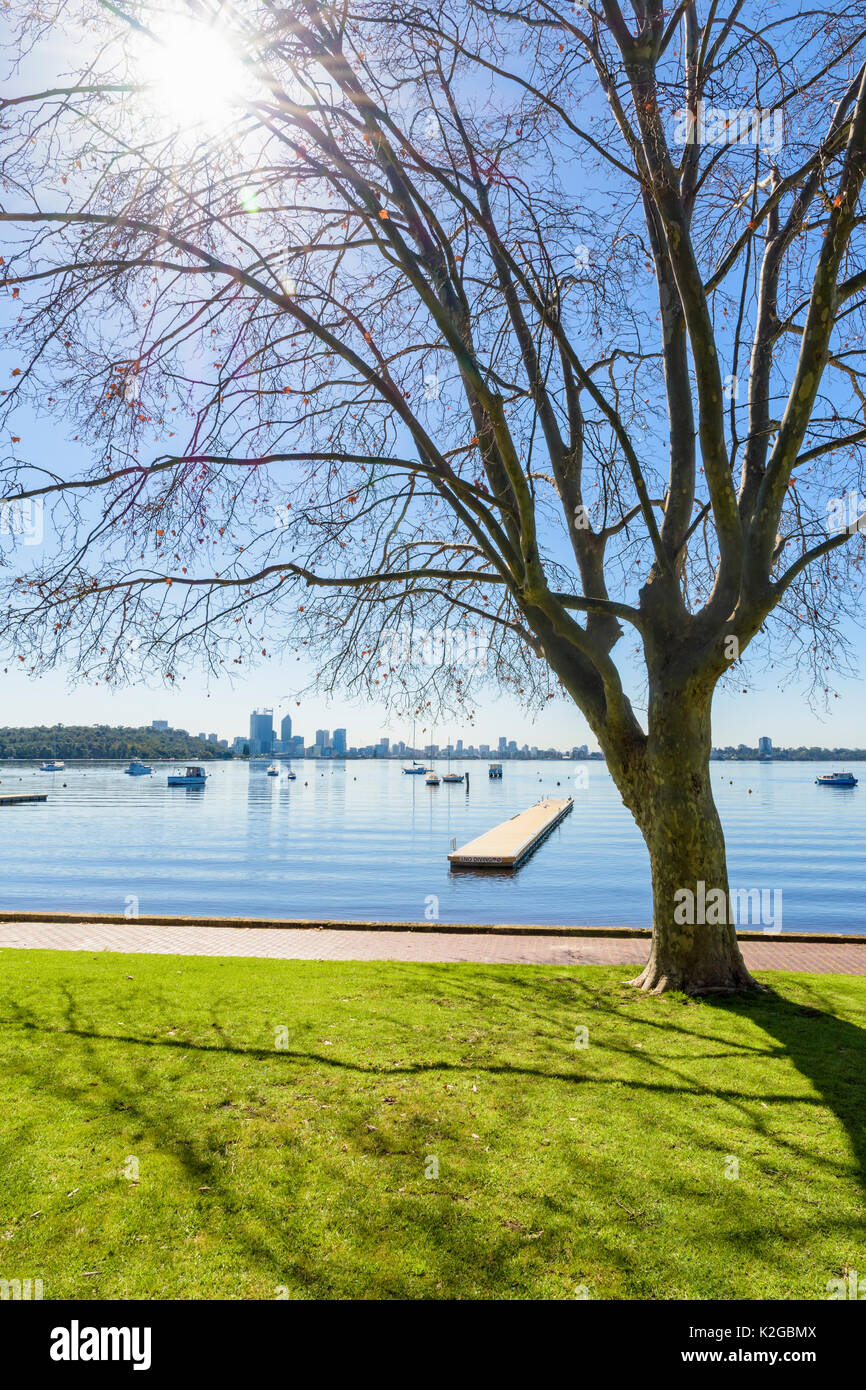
point(193, 776)
point(138, 769)
point(431, 780)
point(273, 770)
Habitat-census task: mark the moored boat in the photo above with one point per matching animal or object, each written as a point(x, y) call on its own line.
point(836, 779)
point(273, 770)
point(193, 776)
point(54, 764)
point(417, 769)
point(138, 769)
point(450, 776)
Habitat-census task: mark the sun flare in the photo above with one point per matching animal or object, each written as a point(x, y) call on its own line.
point(195, 75)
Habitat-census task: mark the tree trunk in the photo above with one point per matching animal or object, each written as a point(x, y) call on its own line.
point(694, 943)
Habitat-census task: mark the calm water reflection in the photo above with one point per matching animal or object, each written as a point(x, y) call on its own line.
point(361, 840)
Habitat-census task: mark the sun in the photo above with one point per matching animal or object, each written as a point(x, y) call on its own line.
point(195, 75)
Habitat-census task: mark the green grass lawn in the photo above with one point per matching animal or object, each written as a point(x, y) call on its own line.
point(158, 1143)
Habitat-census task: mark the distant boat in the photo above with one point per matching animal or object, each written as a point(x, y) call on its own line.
point(138, 769)
point(431, 779)
point(836, 779)
point(54, 765)
point(292, 776)
point(495, 770)
point(417, 769)
point(449, 775)
point(192, 777)
point(273, 770)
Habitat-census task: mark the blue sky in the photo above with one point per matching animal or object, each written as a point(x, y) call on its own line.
point(223, 707)
point(784, 715)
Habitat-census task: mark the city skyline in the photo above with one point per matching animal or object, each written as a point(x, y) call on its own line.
point(263, 741)
point(739, 717)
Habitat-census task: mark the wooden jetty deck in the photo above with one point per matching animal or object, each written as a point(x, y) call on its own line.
point(507, 845)
point(16, 800)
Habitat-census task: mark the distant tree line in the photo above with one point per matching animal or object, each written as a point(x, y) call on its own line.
point(789, 755)
point(104, 741)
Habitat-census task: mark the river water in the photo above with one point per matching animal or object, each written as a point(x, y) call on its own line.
point(361, 840)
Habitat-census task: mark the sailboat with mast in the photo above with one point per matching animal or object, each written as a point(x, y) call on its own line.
point(449, 775)
point(432, 779)
point(417, 769)
point(54, 765)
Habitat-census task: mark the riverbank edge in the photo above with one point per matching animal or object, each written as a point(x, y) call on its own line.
point(438, 927)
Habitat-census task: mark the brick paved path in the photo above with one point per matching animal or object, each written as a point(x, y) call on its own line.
point(330, 943)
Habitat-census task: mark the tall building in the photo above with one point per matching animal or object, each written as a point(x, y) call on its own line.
point(503, 744)
point(323, 739)
point(765, 745)
point(286, 729)
point(339, 740)
point(261, 731)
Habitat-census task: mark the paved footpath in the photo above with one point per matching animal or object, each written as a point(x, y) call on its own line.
point(332, 943)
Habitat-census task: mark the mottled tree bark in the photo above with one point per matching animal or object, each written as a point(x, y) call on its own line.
point(674, 808)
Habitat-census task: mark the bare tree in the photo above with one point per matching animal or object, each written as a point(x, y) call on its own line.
point(536, 322)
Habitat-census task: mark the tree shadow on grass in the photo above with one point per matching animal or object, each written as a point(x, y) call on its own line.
point(146, 1075)
point(271, 1236)
point(829, 1051)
